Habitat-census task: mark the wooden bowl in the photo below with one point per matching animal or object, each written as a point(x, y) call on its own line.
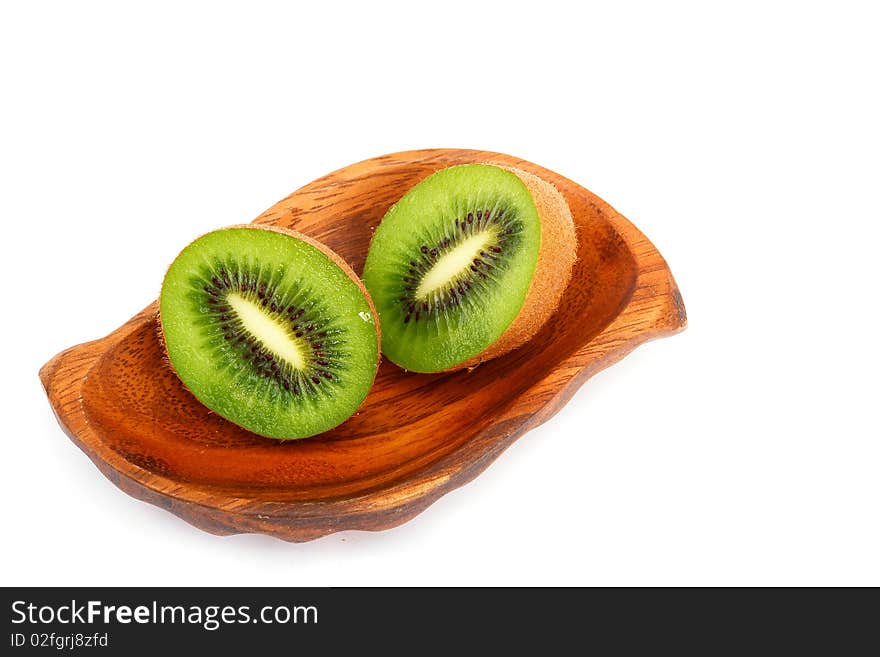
point(416, 437)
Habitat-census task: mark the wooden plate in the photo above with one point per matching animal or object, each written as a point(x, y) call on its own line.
point(416, 437)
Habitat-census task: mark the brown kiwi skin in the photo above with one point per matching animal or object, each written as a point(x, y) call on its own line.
point(327, 251)
point(556, 258)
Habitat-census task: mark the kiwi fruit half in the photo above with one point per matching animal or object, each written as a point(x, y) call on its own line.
point(467, 265)
point(269, 329)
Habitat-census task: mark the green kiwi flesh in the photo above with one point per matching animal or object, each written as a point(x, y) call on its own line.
point(269, 331)
point(450, 265)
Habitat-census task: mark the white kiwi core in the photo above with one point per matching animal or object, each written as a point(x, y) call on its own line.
point(270, 333)
point(453, 263)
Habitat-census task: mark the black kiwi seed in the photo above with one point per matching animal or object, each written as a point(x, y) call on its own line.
point(290, 305)
point(473, 274)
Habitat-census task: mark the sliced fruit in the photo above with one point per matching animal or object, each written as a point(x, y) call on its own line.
point(269, 329)
point(468, 265)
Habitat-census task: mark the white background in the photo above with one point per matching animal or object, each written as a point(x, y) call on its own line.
point(743, 141)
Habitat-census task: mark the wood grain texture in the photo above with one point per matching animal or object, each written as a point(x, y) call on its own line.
point(416, 437)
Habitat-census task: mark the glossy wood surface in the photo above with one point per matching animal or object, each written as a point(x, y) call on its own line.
point(416, 437)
